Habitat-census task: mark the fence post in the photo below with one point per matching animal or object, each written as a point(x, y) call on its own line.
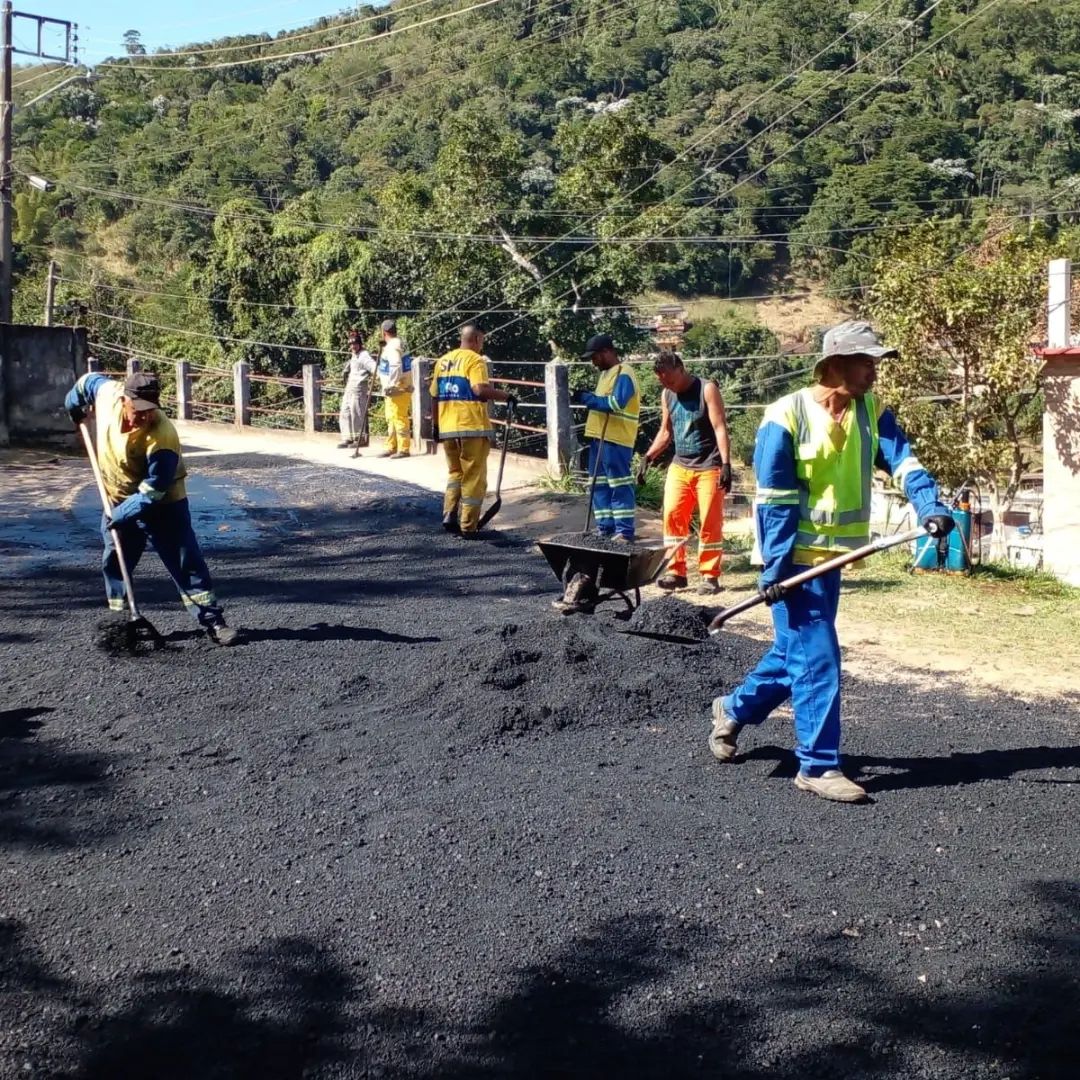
point(241, 394)
point(423, 441)
point(133, 365)
point(559, 422)
point(312, 398)
point(183, 390)
point(94, 364)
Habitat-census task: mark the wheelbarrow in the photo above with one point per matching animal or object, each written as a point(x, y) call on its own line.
point(601, 574)
point(591, 571)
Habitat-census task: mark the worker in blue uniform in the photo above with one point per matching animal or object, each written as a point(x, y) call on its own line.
point(814, 458)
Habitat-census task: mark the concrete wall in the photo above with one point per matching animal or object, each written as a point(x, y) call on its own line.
point(38, 364)
point(1061, 467)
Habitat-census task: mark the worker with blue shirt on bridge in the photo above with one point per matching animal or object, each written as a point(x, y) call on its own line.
point(612, 425)
point(138, 451)
point(814, 458)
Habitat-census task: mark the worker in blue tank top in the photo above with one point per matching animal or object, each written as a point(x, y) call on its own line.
point(692, 416)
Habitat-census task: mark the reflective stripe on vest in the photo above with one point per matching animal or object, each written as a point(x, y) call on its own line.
point(622, 424)
point(834, 481)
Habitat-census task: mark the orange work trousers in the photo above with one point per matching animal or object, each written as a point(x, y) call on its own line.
point(684, 490)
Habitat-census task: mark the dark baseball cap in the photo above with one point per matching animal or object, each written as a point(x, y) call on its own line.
point(597, 343)
point(389, 326)
point(143, 391)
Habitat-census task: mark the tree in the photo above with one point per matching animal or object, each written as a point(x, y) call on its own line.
point(133, 45)
point(963, 319)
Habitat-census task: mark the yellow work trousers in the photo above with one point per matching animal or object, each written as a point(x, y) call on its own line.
point(467, 484)
point(398, 423)
point(684, 490)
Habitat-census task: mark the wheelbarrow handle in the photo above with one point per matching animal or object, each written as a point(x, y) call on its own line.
point(595, 470)
point(883, 543)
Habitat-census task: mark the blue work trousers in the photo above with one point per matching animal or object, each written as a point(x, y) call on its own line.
point(168, 528)
point(803, 664)
point(614, 498)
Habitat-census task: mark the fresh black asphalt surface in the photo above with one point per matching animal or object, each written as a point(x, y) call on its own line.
point(421, 826)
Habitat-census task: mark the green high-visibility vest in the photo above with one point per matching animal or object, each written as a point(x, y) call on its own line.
point(834, 465)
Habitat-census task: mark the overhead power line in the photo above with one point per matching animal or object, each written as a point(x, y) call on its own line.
point(222, 65)
point(794, 146)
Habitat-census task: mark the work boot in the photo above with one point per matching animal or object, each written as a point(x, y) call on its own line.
point(671, 582)
point(450, 523)
point(832, 785)
point(579, 596)
point(221, 634)
point(399, 454)
point(724, 733)
point(709, 586)
point(469, 534)
point(386, 453)
point(618, 538)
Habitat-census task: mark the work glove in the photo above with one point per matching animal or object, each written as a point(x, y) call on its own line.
point(772, 593)
point(724, 483)
point(642, 469)
point(77, 414)
point(127, 510)
point(938, 525)
point(511, 402)
point(577, 397)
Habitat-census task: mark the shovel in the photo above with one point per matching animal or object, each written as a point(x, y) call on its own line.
point(138, 628)
point(496, 506)
point(883, 543)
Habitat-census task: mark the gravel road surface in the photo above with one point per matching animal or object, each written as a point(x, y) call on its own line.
point(421, 826)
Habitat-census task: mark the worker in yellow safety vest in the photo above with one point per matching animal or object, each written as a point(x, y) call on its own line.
point(691, 416)
point(395, 380)
point(815, 454)
point(611, 426)
point(460, 391)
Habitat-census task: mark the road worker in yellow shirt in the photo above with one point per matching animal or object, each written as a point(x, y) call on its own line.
point(460, 392)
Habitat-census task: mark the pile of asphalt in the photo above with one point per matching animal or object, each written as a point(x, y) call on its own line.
point(671, 616)
point(358, 845)
point(592, 542)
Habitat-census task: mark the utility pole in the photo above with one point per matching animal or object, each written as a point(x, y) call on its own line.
point(7, 49)
point(50, 291)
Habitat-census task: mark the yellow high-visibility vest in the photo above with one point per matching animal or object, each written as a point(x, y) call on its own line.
point(622, 426)
point(834, 465)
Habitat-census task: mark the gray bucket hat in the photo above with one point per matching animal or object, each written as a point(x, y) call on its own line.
point(855, 338)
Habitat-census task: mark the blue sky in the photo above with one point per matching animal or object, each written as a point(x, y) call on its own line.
point(102, 23)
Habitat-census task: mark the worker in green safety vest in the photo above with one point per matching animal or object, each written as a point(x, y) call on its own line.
point(814, 458)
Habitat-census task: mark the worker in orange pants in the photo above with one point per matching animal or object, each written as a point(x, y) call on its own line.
point(692, 416)
point(684, 491)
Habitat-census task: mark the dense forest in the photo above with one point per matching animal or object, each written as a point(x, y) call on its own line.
point(540, 162)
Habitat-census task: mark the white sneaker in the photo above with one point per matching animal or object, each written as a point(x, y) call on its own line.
point(832, 785)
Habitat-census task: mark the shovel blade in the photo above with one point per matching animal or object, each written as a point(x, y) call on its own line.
point(490, 512)
point(668, 639)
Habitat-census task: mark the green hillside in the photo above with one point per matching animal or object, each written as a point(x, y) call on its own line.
point(542, 162)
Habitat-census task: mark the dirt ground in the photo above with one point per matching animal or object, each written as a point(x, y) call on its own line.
point(421, 826)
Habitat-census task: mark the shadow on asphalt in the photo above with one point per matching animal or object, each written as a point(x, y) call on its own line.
point(949, 770)
point(292, 1008)
point(316, 632)
point(33, 769)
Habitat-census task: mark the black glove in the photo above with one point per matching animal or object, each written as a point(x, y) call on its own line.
point(642, 469)
point(511, 402)
point(725, 477)
point(576, 397)
point(773, 594)
point(938, 525)
point(77, 414)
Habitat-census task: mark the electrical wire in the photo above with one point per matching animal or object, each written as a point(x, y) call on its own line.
point(982, 10)
point(306, 52)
